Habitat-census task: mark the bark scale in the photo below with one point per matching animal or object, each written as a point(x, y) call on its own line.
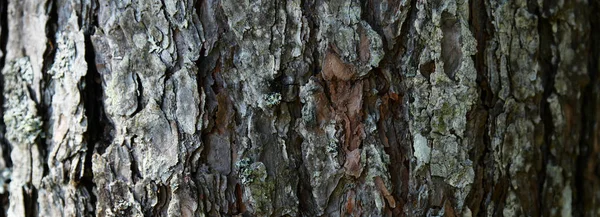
point(299, 108)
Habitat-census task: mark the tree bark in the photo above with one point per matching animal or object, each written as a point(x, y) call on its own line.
point(299, 108)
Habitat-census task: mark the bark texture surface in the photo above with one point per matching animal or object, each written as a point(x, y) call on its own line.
point(299, 108)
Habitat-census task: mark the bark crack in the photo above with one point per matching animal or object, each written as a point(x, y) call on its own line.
point(6, 149)
point(483, 31)
point(98, 128)
point(548, 73)
point(306, 202)
point(43, 102)
point(588, 119)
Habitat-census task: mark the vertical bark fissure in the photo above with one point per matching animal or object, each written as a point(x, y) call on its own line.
point(97, 122)
point(48, 59)
point(51, 28)
point(499, 145)
point(588, 117)
point(306, 202)
point(202, 67)
point(482, 30)
point(3, 41)
point(399, 167)
point(548, 73)
point(30, 201)
point(140, 95)
point(403, 43)
point(481, 27)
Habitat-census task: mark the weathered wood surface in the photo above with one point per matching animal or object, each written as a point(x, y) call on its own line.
point(300, 108)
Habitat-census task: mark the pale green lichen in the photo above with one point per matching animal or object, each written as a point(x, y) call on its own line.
point(273, 99)
point(332, 146)
point(512, 206)
point(245, 174)
point(23, 125)
point(258, 189)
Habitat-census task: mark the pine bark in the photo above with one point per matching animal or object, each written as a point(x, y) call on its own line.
point(299, 108)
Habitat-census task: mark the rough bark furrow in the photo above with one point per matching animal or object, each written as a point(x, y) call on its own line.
point(586, 175)
point(5, 149)
point(299, 108)
point(98, 129)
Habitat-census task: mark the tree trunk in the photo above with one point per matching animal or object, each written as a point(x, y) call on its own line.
point(300, 108)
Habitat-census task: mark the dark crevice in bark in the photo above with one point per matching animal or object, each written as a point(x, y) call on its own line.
point(207, 67)
point(136, 175)
point(163, 196)
point(588, 117)
point(307, 204)
point(179, 61)
point(49, 53)
point(482, 29)
point(408, 29)
point(367, 14)
point(499, 194)
point(3, 42)
point(404, 44)
point(4, 145)
point(97, 135)
point(407, 44)
point(399, 165)
point(308, 10)
point(204, 134)
point(44, 103)
point(140, 95)
point(393, 56)
point(30, 200)
point(4, 204)
point(3, 30)
point(548, 70)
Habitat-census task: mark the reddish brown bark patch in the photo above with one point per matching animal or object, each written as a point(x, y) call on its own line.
point(324, 110)
point(335, 68)
point(350, 201)
point(224, 113)
point(364, 47)
point(347, 101)
point(352, 165)
point(384, 192)
point(346, 96)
